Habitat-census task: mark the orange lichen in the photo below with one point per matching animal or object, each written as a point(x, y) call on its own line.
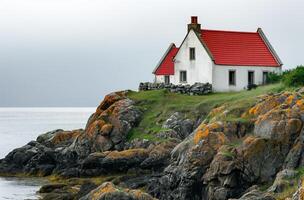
point(204, 130)
point(290, 99)
point(249, 140)
point(64, 135)
point(200, 134)
point(127, 153)
point(95, 126)
point(300, 104)
point(106, 188)
point(106, 129)
point(264, 106)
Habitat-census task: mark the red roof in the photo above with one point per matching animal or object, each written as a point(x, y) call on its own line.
point(238, 48)
point(166, 66)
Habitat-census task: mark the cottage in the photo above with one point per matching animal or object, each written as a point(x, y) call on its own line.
point(229, 60)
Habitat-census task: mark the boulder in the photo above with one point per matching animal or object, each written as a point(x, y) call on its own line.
point(183, 127)
point(284, 179)
point(112, 161)
point(108, 191)
point(107, 128)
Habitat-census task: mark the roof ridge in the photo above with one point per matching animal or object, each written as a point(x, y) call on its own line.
point(228, 31)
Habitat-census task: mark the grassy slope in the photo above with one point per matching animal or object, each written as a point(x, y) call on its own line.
point(158, 105)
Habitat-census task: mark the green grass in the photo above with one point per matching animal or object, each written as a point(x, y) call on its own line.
point(158, 105)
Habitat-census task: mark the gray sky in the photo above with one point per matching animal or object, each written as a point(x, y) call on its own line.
point(73, 52)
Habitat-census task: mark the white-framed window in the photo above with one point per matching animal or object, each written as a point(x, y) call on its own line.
point(183, 76)
point(232, 77)
point(192, 53)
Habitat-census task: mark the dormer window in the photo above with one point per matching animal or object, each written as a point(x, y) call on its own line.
point(192, 53)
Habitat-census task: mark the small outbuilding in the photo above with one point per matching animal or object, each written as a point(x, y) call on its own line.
point(229, 60)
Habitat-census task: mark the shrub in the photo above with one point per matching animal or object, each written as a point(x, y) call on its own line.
point(295, 77)
point(274, 77)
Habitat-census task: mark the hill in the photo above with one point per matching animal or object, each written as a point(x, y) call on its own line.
point(162, 145)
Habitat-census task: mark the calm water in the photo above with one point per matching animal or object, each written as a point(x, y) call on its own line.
point(18, 126)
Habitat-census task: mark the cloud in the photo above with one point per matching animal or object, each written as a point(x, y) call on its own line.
point(72, 52)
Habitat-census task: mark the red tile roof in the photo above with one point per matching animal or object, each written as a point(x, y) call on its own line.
point(238, 48)
point(166, 66)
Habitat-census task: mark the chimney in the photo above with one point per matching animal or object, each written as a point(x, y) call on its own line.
point(194, 25)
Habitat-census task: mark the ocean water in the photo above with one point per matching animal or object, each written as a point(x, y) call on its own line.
point(18, 126)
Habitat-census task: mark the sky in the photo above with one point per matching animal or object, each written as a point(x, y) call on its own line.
point(70, 53)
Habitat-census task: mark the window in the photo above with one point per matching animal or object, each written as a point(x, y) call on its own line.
point(192, 53)
point(232, 77)
point(265, 78)
point(250, 77)
point(167, 80)
point(183, 76)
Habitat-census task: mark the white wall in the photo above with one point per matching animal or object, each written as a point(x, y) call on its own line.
point(198, 70)
point(161, 78)
point(221, 76)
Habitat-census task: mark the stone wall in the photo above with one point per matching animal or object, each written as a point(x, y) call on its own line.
point(195, 89)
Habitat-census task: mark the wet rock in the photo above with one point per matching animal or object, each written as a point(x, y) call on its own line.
point(51, 187)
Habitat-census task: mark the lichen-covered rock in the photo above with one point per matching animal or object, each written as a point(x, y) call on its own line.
point(112, 161)
point(181, 126)
point(225, 177)
point(108, 191)
point(58, 138)
point(284, 179)
point(107, 128)
point(182, 178)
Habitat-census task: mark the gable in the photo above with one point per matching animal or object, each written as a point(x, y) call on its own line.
point(166, 64)
point(239, 48)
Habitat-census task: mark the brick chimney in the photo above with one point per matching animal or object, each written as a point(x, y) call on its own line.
point(194, 25)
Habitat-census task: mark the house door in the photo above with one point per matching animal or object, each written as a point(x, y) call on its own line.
point(265, 78)
point(167, 80)
point(250, 78)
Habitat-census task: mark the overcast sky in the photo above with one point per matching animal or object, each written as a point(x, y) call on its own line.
point(73, 52)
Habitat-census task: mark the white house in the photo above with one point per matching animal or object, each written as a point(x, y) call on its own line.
point(229, 60)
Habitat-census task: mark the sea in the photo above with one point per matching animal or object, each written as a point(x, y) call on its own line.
point(18, 126)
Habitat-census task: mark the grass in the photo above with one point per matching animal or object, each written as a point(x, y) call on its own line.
point(158, 105)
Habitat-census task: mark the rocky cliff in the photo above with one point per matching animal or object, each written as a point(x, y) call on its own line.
point(240, 146)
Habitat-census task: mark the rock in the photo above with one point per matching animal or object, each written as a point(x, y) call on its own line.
point(51, 187)
point(284, 179)
point(112, 161)
point(46, 137)
point(262, 158)
point(108, 191)
point(159, 156)
point(191, 158)
point(58, 138)
point(256, 195)
point(108, 127)
point(57, 191)
point(225, 177)
point(183, 127)
point(85, 189)
point(139, 143)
